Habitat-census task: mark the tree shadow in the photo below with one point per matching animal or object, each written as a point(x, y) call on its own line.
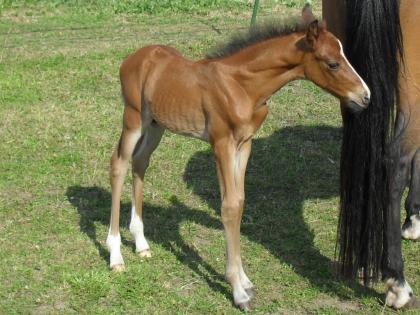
point(285, 169)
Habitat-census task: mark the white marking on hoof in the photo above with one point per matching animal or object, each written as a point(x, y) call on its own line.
point(413, 231)
point(137, 230)
point(240, 297)
point(114, 243)
point(145, 254)
point(245, 282)
point(398, 294)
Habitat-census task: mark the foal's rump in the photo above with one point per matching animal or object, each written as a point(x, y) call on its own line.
point(167, 87)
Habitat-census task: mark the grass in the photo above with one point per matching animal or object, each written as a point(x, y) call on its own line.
point(124, 6)
point(60, 110)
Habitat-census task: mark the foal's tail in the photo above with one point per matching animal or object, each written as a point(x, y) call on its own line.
point(374, 47)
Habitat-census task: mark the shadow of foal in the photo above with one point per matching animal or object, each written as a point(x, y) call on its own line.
point(291, 166)
point(93, 203)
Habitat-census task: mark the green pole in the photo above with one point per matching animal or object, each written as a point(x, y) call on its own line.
point(254, 12)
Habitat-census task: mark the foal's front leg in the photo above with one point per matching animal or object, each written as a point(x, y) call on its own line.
point(231, 165)
point(241, 161)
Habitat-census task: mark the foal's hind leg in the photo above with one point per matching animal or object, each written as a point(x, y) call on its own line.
point(411, 227)
point(150, 140)
point(119, 164)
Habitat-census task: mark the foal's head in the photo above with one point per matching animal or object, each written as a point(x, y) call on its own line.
point(326, 65)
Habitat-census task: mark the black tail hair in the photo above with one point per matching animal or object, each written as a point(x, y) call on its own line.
point(374, 47)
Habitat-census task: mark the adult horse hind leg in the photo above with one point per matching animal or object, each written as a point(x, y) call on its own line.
point(141, 157)
point(411, 227)
point(410, 103)
point(398, 291)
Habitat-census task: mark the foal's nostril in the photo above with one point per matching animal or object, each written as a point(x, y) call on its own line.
point(366, 99)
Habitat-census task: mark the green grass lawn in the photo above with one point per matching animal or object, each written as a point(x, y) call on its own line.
point(60, 113)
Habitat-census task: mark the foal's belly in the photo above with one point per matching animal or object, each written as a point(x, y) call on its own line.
point(174, 96)
point(181, 118)
point(188, 123)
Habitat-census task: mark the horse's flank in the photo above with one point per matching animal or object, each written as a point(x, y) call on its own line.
point(409, 103)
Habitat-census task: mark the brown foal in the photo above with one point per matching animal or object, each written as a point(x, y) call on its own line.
point(223, 101)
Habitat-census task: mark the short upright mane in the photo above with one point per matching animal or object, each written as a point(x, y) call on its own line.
point(256, 34)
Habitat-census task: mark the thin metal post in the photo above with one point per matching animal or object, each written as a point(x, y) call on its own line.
point(254, 12)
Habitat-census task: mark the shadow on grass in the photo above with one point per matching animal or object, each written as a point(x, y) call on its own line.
point(162, 227)
point(291, 166)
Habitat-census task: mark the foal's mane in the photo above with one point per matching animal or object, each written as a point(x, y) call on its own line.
point(257, 34)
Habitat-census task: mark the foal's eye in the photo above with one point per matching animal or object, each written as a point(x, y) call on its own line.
point(333, 65)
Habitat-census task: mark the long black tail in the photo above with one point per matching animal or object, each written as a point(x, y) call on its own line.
point(374, 47)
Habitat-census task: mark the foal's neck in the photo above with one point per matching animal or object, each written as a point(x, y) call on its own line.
point(263, 68)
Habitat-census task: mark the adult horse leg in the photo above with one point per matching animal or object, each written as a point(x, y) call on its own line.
point(119, 164)
point(411, 227)
point(398, 291)
point(141, 157)
point(410, 93)
point(231, 162)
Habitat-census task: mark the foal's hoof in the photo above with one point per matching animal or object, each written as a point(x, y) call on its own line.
point(245, 306)
point(251, 292)
point(118, 268)
point(145, 253)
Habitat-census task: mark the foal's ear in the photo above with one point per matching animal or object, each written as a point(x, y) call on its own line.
point(307, 15)
point(312, 33)
point(307, 43)
point(313, 29)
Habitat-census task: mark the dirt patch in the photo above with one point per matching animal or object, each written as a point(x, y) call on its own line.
point(324, 301)
point(54, 302)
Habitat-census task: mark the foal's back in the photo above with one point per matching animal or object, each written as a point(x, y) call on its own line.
point(172, 88)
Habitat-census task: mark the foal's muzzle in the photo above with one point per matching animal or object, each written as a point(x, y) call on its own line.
point(366, 99)
point(359, 103)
